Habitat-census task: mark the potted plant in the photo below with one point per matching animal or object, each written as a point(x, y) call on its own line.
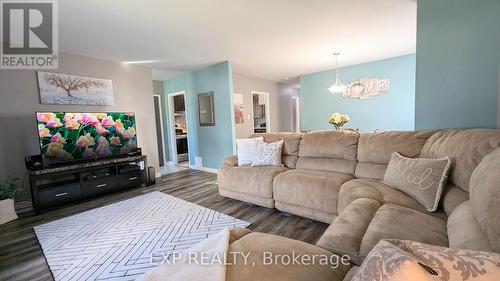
point(8, 191)
point(338, 120)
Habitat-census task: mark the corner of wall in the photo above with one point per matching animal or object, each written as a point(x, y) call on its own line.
point(498, 98)
point(231, 92)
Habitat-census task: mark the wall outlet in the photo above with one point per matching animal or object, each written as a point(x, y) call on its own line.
point(198, 162)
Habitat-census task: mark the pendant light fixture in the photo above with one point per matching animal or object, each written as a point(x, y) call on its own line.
point(338, 87)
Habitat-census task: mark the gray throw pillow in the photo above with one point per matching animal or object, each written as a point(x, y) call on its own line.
point(420, 178)
point(268, 154)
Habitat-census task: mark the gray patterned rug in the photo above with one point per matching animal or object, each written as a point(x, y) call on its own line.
point(123, 240)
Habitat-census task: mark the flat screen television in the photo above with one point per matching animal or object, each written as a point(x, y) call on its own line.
point(72, 136)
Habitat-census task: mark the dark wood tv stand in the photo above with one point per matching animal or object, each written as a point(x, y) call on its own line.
point(59, 185)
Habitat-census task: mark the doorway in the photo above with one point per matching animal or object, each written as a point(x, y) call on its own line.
point(159, 129)
point(261, 112)
point(178, 129)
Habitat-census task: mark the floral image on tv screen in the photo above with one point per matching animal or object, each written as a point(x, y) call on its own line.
point(66, 136)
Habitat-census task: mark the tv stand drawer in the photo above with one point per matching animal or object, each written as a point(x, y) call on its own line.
point(129, 179)
point(51, 196)
point(100, 185)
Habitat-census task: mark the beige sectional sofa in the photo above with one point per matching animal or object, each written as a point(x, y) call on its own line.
point(335, 177)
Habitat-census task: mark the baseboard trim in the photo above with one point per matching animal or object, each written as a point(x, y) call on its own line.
point(205, 169)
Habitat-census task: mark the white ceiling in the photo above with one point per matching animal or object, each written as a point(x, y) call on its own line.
point(270, 39)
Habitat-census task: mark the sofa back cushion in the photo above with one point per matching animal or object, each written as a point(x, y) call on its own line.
point(375, 150)
point(452, 197)
point(333, 151)
point(466, 149)
point(464, 231)
point(290, 150)
point(485, 197)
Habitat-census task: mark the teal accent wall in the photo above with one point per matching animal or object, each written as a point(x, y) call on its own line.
point(212, 143)
point(217, 142)
point(458, 56)
point(388, 111)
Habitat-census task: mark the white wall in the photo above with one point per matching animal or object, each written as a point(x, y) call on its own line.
point(280, 103)
point(19, 99)
point(159, 89)
point(286, 92)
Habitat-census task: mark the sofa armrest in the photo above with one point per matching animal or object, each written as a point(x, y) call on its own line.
point(231, 161)
point(345, 233)
point(237, 233)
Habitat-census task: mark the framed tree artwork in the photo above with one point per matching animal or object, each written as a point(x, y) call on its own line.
point(58, 88)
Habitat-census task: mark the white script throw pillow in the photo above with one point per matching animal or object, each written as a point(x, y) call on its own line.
point(246, 149)
point(268, 154)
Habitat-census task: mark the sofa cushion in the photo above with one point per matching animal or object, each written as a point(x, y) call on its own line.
point(290, 151)
point(464, 231)
point(370, 170)
point(374, 189)
point(466, 149)
point(350, 274)
point(485, 197)
point(245, 197)
point(452, 197)
point(260, 245)
point(316, 190)
point(237, 233)
point(345, 233)
point(257, 181)
point(305, 212)
point(397, 222)
point(332, 151)
point(421, 178)
point(375, 150)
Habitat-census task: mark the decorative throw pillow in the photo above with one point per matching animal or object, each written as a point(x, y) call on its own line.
point(422, 179)
point(268, 154)
point(395, 260)
point(246, 149)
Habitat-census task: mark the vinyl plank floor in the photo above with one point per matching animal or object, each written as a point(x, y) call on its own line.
point(21, 257)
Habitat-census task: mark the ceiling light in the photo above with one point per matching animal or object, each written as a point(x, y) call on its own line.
point(140, 61)
point(338, 87)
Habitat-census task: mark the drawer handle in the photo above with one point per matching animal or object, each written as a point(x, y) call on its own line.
point(132, 178)
point(101, 185)
point(61, 194)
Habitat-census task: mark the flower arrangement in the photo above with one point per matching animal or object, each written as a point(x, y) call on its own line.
point(66, 136)
point(8, 192)
point(9, 189)
point(338, 120)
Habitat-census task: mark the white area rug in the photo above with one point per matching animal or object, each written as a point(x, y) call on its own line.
point(123, 240)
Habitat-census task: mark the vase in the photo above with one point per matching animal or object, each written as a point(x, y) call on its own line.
point(337, 127)
point(7, 211)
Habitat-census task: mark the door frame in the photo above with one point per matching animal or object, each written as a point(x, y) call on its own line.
point(171, 126)
point(268, 111)
point(160, 106)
